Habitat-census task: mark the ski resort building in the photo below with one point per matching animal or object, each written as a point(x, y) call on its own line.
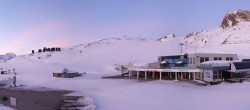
point(208, 67)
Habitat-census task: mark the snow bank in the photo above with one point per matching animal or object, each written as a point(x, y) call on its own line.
point(7, 81)
point(88, 103)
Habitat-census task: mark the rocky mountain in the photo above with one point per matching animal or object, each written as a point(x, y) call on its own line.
point(233, 18)
point(233, 30)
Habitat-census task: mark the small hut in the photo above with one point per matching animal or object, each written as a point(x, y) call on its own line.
point(66, 73)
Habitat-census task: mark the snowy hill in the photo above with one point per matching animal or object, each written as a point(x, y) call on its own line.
point(98, 56)
point(232, 36)
point(7, 57)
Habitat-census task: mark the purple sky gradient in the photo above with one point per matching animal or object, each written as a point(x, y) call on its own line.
point(33, 24)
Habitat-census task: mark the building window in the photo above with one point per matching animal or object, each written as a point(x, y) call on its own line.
point(202, 59)
point(231, 58)
point(206, 59)
point(215, 58)
point(227, 59)
point(193, 60)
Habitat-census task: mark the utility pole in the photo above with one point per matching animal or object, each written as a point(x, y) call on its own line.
point(186, 42)
point(14, 78)
point(181, 44)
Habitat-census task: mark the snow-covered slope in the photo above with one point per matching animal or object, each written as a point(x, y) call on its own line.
point(99, 56)
point(233, 36)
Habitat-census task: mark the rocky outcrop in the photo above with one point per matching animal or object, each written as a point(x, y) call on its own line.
point(232, 18)
point(7, 56)
point(192, 34)
point(166, 37)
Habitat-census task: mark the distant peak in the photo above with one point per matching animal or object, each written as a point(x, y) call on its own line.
point(168, 36)
point(7, 56)
point(232, 18)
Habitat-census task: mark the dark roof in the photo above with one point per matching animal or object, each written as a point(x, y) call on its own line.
point(245, 60)
point(241, 65)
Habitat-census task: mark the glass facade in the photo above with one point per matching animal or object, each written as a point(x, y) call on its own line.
point(217, 74)
point(174, 61)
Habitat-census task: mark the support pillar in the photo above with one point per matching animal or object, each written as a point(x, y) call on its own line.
point(160, 75)
point(189, 76)
point(137, 74)
point(170, 75)
point(181, 76)
point(153, 75)
point(176, 76)
point(145, 75)
point(128, 74)
point(194, 76)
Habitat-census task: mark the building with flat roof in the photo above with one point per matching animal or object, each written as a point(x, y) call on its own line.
point(197, 58)
point(217, 71)
point(208, 67)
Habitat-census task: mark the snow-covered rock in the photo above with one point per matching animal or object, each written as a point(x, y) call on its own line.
point(227, 38)
point(168, 37)
point(6, 57)
point(232, 18)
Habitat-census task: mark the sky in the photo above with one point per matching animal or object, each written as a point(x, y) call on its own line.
point(27, 25)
